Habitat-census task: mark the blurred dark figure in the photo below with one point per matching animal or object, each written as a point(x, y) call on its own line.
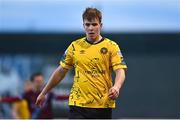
point(45, 112)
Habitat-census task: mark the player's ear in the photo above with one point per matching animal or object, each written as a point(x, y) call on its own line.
point(101, 25)
point(83, 24)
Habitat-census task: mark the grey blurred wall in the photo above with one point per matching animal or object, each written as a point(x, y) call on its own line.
point(152, 87)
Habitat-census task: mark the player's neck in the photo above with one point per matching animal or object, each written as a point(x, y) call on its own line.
point(95, 40)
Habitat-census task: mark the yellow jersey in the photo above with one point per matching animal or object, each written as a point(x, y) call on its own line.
point(21, 108)
point(93, 65)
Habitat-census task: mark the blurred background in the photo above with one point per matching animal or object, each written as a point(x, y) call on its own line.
point(35, 33)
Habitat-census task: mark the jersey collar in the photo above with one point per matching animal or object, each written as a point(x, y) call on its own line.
point(94, 43)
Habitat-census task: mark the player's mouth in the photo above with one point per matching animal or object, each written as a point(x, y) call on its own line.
point(91, 33)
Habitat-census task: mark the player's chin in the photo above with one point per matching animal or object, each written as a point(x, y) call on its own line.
point(92, 38)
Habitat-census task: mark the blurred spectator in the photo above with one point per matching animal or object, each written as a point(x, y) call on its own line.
point(20, 108)
point(31, 95)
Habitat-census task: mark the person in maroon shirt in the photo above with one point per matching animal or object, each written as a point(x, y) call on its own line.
point(30, 96)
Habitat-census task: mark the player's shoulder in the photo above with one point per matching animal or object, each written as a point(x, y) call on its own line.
point(109, 41)
point(79, 40)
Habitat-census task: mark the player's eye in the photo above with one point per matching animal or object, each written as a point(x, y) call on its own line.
point(87, 24)
point(94, 24)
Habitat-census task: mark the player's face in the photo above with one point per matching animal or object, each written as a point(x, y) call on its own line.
point(38, 82)
point(92, 29)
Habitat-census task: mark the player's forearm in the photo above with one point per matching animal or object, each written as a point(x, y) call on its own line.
point(119, 79)
point(55, 78)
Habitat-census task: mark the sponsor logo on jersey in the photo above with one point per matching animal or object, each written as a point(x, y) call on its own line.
point(82, 51)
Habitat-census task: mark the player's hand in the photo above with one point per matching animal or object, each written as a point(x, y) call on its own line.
point(40, 100)
point(113, 93)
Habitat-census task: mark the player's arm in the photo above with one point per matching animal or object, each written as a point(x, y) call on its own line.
point(119, 80)
point(55, 78)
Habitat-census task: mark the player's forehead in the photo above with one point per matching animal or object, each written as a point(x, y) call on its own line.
point(91, 21)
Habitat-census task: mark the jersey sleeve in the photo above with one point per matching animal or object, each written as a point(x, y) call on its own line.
point(67, 59)
point(117, 60)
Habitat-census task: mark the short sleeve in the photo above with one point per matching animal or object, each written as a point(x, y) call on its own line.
point(117, 60)
point(67, 59)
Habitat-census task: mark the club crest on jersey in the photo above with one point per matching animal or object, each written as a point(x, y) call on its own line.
point(104, 50)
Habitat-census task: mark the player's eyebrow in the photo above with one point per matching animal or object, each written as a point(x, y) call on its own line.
point(94, 24)
point(87, 24)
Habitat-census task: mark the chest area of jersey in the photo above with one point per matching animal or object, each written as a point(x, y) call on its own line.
point(92, 55)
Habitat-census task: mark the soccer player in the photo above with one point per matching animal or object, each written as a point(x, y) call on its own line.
point(94, 57)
